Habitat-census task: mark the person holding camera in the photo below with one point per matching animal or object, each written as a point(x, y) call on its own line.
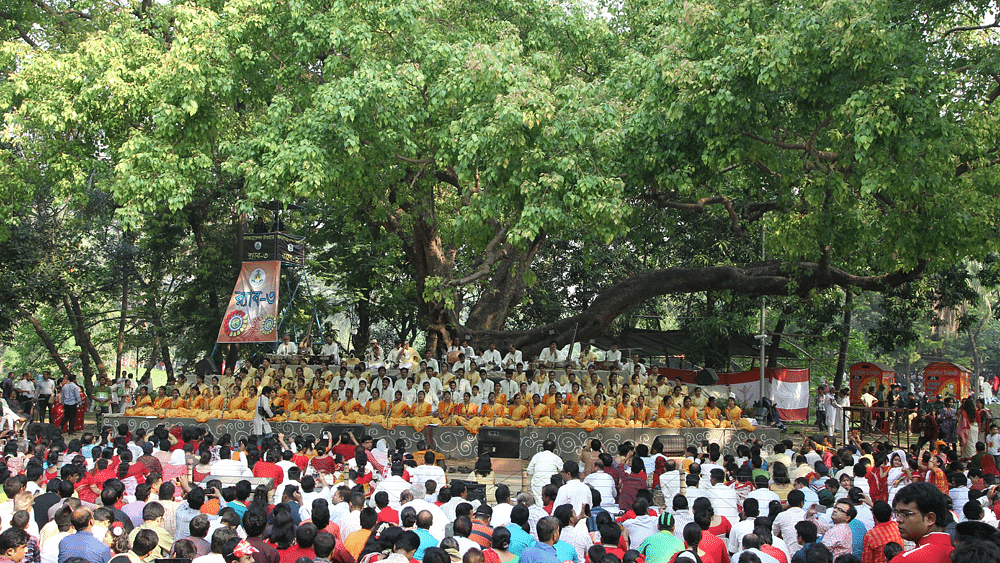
point(261, 426)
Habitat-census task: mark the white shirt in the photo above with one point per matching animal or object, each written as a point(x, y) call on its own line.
point(46, 387)
point(439, 520)
point(575, 493)
point(764, 558)
point(605, 484)
point(230, 468)
point(993, 444)
point(288, 349)
point(541, 468)
point(26, 386)
point(393, 486)
point(579, 537)
point(490, 358)
point(784, 523)
point(723, 500)
point(613, 356)
point(764, 497)
point(548, 355)
point(421, 473)
point(510, 388)
point(501, 514)
point(330, 349)
point(639, 528)
point(512, 359)
point(740, 529)
point(868, 519)
point(670, 486)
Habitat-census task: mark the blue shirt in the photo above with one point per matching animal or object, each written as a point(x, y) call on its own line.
point(565, 552)
point(519, 539)
point(84, 544)
point(426, 540)
point(858, 531)
point(240, 508)
point(538, 553)
point(70, 395)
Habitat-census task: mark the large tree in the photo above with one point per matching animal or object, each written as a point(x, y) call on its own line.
point(478, 135)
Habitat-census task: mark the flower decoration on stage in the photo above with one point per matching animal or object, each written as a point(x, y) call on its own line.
point(236, 323)
point(268, 324)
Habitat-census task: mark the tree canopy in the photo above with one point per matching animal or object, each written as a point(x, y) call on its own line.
point(491, 155)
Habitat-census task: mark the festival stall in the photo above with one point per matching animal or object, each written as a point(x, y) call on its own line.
point(869, 374)
point(946, 379)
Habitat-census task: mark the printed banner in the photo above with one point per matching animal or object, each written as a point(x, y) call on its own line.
point(288, 249)
point(252, 315)
point(788, 388)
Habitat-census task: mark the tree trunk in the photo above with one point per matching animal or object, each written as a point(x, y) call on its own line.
point(47, 341)
point(76, 325)
point(232, 356)
point(89, 343)
point(779, 328)
point(121, 324)
point(363, 335)
point(505, 289)
point(153, 356)
point(845, 341)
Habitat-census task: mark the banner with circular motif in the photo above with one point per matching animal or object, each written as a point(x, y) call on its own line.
point(253, 306)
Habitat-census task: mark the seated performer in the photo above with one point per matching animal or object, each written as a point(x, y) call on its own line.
point(601, 409)
point(713, 415)
point(583, 410)
point(376, 407)
point(467, 413)
point(446, 409)
point(195, 399)
point(399, 412)
point(217, 402)
point(162, 400)
point(667, 415)
point(519, 415)
point(689, 415)
point(492, 411)
point(734, 416)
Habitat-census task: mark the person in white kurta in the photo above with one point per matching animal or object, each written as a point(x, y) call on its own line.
point(263, 411)
point(542, 467)
point(830, 408)
point(842, 401)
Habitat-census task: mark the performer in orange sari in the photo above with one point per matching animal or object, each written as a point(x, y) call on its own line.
point(162, 400)
point(601, 409)
point(667, 415)
point(556, 413)
point(539, 410)
point(518, 414)
point(641, 413)
point(467, 414)
point(217, 402)
point(689, 415)
point(334, 404)
point(583, 410)
point(734, 416)
point(492, 413)
point(399, 412)
point(375, 411)
point(713, 415)
point(446, 409)
point(421, 414)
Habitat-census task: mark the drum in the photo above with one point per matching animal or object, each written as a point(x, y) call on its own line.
point(453, 356)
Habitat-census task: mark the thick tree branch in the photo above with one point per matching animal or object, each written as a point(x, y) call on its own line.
point(760, 278)
point(699, 206)
point(969, 28)
point(825, 156)
point(491, 255)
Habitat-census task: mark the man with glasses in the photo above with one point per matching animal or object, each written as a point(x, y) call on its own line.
point(921, 511)
point(837, 537)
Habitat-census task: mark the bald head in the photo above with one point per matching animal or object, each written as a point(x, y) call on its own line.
point(82, 519)
point(425, 520)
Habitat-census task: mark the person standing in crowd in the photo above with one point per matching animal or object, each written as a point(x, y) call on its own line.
point(69, 397)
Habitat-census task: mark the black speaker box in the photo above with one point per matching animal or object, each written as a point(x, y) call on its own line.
point(500, 442)
point(706, 376)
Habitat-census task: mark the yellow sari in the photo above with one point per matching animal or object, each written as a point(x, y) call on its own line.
point(734, 417)
point(667, 417)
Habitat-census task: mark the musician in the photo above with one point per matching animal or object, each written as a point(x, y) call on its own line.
point(587, 356)
point(512, 359)
point(508, 386)
point(550, 355)
point(330, 350)
point(374, 355)
point(287, 347)
point(433, 364)
point(395, 355)
point(491, 358)
point(407, 355)
point(614, 357)
point(636, 366)
point(464, 364)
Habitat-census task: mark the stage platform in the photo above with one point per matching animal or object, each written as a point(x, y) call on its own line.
point(455, 442)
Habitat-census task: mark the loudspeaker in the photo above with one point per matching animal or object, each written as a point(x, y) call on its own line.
point(706, 376)
point(205, 367)
point(673, 444)
point(500, 442)
point(476, 491)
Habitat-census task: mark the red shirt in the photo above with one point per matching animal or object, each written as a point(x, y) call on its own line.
point(291, 554)
point(390, 515)
point(877, 538)
point(268, 469)
point(324, 464)
point(301, 461)
point(345, 450)
point(933, 548)
point(774, 552)
point(714, 548)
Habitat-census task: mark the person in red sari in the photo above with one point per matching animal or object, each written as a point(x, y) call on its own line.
point(878, 476)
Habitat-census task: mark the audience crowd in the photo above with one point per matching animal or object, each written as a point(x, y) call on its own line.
point(182, 493)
